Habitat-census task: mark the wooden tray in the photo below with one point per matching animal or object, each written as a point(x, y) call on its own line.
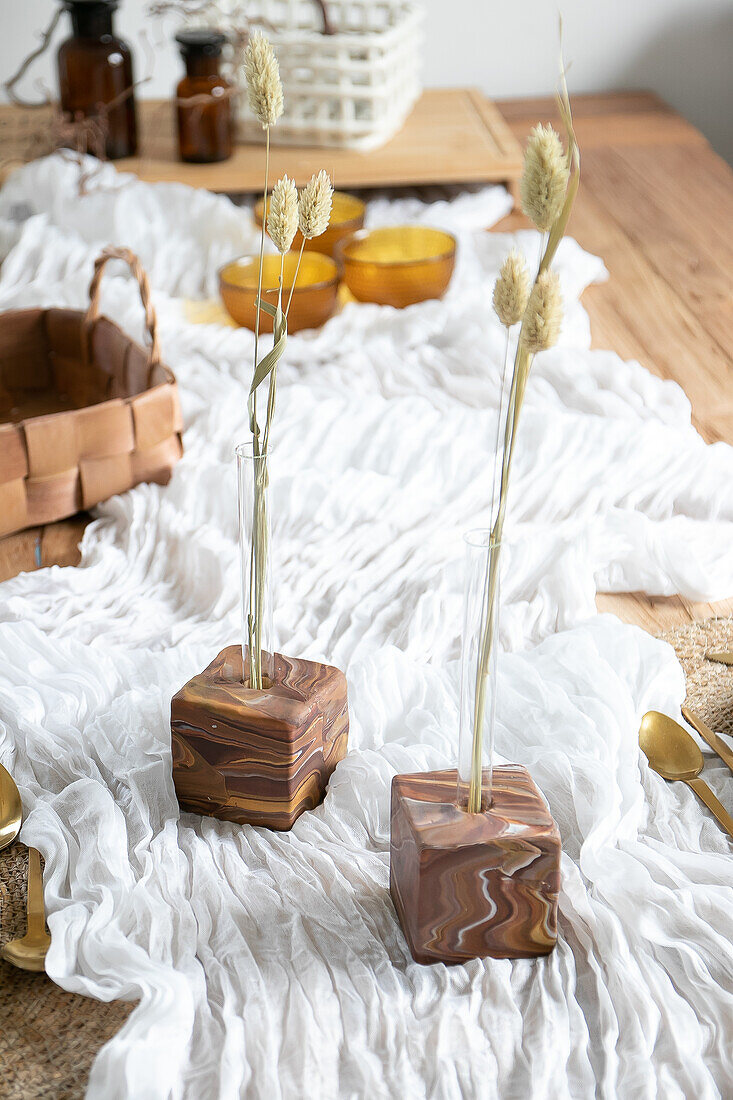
point(454, 135)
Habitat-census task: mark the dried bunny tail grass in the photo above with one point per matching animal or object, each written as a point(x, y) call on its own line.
point(314, 208)
point(282, 214)
point(264, 88)
point(511, 289)
point(544, 178)
point(544, 314)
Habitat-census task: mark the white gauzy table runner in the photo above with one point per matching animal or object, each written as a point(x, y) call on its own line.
point(272, 965)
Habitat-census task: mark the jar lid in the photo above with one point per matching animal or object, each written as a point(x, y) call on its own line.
point(70, 5)
point(201, 41)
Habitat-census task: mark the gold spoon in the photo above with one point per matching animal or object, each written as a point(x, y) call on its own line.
point(11, 809)
point(673, 754)
point(29, 953)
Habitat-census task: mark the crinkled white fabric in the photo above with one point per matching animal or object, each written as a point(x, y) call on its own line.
point(272, 965)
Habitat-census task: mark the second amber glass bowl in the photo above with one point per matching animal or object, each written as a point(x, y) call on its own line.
point(347, 215)
point(314, 297)
point(398, 265)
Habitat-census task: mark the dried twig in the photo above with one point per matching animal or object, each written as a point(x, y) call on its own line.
point(26, 63)
point(539, 328)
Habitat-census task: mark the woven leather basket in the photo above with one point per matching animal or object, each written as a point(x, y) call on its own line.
point(85, 412)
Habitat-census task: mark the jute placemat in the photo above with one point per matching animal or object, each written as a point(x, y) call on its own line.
point(709, 684)
point(48, 1038)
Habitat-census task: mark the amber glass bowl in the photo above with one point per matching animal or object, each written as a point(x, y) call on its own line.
point(347, 215)
point(398, 265)
point(314, 297)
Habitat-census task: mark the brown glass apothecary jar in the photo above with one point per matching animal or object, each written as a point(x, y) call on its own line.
point(96, 78)
point(203, 99)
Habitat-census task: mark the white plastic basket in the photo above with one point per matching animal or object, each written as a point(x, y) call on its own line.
point(353, 88)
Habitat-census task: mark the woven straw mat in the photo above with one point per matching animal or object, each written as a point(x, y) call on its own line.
point(48, 1038)
point(709, 684)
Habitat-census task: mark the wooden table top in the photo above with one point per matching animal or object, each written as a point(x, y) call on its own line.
point(653, 203)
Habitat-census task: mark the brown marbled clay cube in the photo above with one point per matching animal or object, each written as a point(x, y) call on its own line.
point(258, 757)
point(473, 885)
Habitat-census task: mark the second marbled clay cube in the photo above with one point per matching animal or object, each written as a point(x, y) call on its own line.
point(474, 885)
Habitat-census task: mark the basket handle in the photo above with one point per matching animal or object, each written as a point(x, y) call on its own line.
point(114, 253)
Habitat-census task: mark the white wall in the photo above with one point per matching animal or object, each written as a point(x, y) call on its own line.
point(683, 49)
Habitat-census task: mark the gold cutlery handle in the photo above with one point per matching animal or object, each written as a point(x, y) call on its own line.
point(716, 808)
point(717, 744)
point(723, 656)
point(36, 912)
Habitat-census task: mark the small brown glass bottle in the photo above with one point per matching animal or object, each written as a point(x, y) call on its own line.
point(204, 125)
point(95, 69)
